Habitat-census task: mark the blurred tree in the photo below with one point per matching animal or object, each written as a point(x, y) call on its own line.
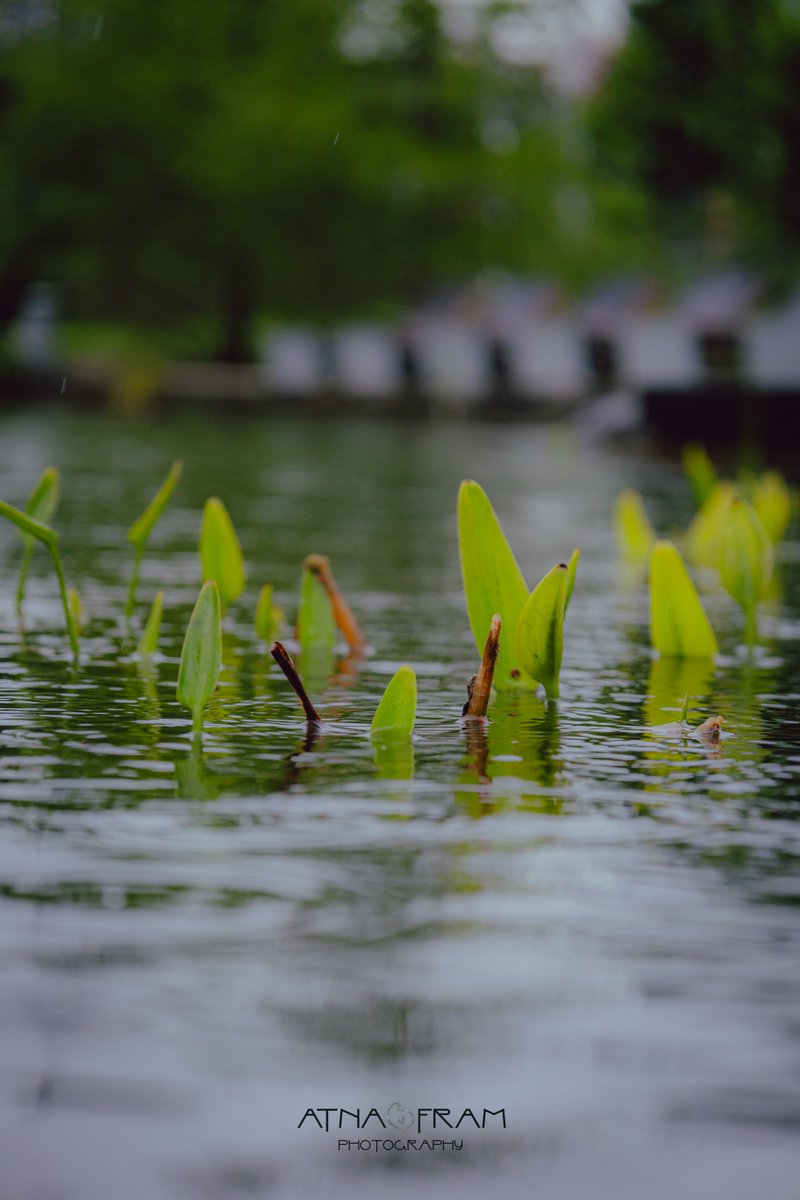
point(700, 108)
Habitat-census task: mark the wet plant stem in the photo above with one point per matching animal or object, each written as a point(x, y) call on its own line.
point(62, 587)
point(480, 686)
point(284, 661)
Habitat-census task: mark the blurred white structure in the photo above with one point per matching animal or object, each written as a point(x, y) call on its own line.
point(452, 363)
point(34, 331)
point(366, 362)
point(772, 348)
point(659, 351)
point(292, 363)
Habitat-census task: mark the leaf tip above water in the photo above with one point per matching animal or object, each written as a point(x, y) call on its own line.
point(397, 710)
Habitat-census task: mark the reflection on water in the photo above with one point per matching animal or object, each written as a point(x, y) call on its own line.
point(556, 911)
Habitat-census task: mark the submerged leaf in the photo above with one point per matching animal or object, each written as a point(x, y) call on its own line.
point(42, 503)
point(148, 643)
point(635, 534)
point(141, 529)
point(678, 622)
point(700, 471)
point(493, 582)
point(772, 501)
point(316, 624)
point(395, 715)
point(539, 636)
point(201, 655)
point(220, 552)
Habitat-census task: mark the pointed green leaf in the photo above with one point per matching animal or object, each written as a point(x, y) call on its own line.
point(28, 524)
point(76, 609)
point(772, 501)
point(678, 622)
point(42, 503)
point(700, 472)
point(268, 615)
point(220, 552)
point(141, 529)
point(397, 710)
point(746, 560)
point(705, 532)
point(572, 570)
point(493, 582)
point(148, 643)
point(201, 655)
point(539, 636)
point(316, 625)
point(635, 534)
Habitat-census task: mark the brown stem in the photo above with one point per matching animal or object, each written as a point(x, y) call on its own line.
point(342, 613)
point(480, 686)
point(284, 661)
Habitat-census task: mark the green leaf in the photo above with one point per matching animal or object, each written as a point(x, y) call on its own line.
point(316, 625)
point(572, 570)
point(678, 622)
point(268, 615)
point(42, 503)
point(201, 655)
point(705, 532)
point(29, 525)
point(220, 552)
point(772, 501)
point(700, 472)
point(49, 538)
point(493, 582)
point(141, 529)
point(397, 710)
point(148, 643)
point(76, 609)
point(539, 636)
point(746, 560)
point(635, 534)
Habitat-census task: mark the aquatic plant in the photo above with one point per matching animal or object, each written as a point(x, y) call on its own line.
point(42, 504)
point(539, 636)
point(772, 500)
point(395, 715)
point(700, 472)
point(678, 622)
point(49, 538)
point(220, 553)
point(704, 536)
point(316, 623)
point(635, 534)
point(201, 655)
point(268, 616)
point(148, 642)
point(76, 610)
point(142, 527)
point(320, 566)
point(746, 561)
point(493, 581)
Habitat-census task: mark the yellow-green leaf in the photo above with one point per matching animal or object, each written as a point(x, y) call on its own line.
point(316, 625)
point(572, 570)
point(268, 615)
point(220, 552)
point(493, 582)
point(29, 524)
point(396, 713)
point(678, 622)
point(772, 501)
point(635, 534)
point(700, 471)
point(42, 503)
point(746, 560)
point(705, 532)
point(148, 643)
point(539, 636)
point(141, 529)
point(201, 655)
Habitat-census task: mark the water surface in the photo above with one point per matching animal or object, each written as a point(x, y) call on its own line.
point(562, 915)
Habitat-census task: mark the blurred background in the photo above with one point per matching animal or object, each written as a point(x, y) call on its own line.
point(177, 184)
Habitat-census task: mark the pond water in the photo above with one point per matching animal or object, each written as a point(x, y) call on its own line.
point(562, 916)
